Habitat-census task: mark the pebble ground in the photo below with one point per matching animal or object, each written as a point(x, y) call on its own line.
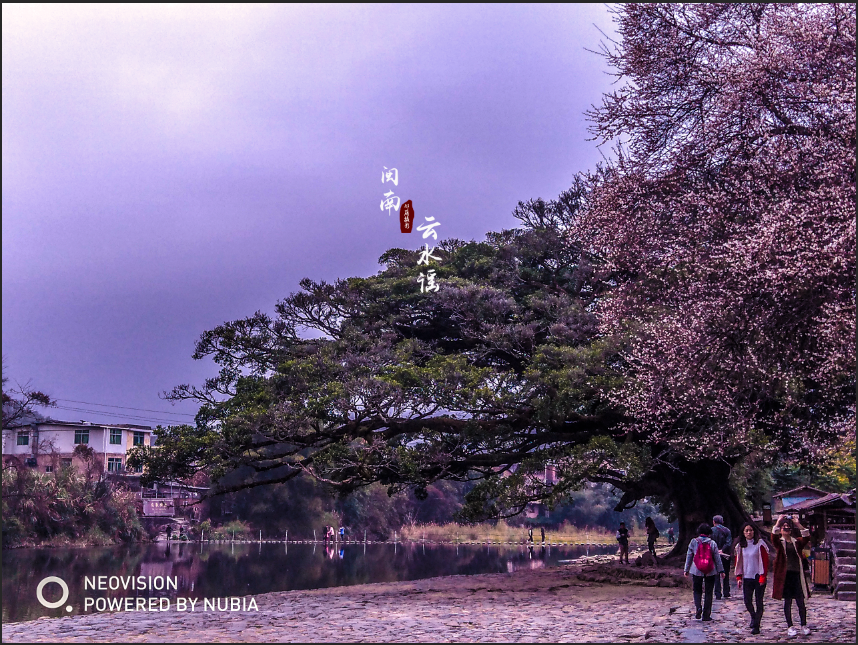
point(542, 605)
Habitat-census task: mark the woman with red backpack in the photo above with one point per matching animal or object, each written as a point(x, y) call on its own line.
point(704, 564)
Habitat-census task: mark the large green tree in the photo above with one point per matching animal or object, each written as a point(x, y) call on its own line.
point(499, 372)
point(688, 305)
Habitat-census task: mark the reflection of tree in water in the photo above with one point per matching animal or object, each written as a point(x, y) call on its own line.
point(24, 568)
point(216, 570)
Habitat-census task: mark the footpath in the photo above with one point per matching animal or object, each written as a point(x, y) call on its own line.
point(561, 604)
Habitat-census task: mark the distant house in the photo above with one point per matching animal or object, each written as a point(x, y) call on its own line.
point(47, 444)
point(831, 511)
point(783, 501)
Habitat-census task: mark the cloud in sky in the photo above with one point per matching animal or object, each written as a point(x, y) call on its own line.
point(170, 167)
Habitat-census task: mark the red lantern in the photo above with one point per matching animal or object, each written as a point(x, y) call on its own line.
point(406, 217)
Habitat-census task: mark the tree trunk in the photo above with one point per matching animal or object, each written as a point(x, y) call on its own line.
point(699, 491)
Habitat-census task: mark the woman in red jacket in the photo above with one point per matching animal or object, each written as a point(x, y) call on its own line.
point(751, 564)
point(788, 582)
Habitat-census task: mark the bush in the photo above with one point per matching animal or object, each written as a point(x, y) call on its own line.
point(65, 507)
point(236, 528)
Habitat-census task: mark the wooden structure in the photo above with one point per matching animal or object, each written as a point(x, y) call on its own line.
point(785, 501)
point(831, 511)
point(831, 520)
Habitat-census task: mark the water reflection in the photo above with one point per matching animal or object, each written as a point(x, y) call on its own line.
point(218, 570)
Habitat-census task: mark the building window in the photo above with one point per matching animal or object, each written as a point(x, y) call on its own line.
point(24, 438)
point(65, 462)
point(49, 469)
point(137, 469)
point(114, 464)
point(31, 462)
point(138, 438)
point(81, 436)
point(115, 436)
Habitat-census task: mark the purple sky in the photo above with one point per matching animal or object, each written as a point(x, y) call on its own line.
point(169, 168)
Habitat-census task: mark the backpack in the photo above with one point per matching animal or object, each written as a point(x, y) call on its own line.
point(703, 558)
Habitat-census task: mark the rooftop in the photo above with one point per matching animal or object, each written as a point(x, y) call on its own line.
point(799, 490)
point(80, 424)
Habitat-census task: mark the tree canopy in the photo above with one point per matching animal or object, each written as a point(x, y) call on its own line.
point(500, 368)
point(678, 309)
point(728, 221)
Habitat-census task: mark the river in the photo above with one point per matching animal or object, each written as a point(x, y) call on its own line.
point(195, 570)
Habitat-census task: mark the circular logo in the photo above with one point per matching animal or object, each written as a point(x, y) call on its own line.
point(41, 598)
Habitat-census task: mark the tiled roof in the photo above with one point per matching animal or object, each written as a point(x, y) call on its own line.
point(832, 500)
point(789, 493)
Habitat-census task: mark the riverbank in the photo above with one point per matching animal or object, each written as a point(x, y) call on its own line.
point(541, 605)
point(63, 542)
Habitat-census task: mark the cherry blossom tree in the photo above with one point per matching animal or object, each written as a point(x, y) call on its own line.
point(727, 220)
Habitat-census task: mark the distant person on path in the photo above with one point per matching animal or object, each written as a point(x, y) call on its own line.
point(623, 539)
point(169, 532)
point(670, 538)
point(651, 535)
point(751, 565)
point(542, 530)
point(530, 535)
point(788, 582)
point(705, 566)
point(724, 539)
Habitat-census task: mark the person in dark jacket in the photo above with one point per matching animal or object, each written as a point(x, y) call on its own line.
point(651, 535)
point(623, 540)
point(722, 536)
point(788, 582)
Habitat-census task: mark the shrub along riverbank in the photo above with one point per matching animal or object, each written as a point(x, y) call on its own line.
point(503, 532)
point(65, 508)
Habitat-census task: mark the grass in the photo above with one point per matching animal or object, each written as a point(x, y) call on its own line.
point(503, 532)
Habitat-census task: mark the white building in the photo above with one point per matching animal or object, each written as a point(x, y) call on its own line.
point(49, 444)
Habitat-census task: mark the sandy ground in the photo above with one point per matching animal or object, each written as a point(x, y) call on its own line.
point(543, 605)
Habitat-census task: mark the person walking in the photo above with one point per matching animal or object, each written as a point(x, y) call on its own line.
point(542, 531)
point(751, 565)
point(722, 536)
point(623, 539)
point(704, 565)
point(651, 535)
point(788, 582)
point(670, 537)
